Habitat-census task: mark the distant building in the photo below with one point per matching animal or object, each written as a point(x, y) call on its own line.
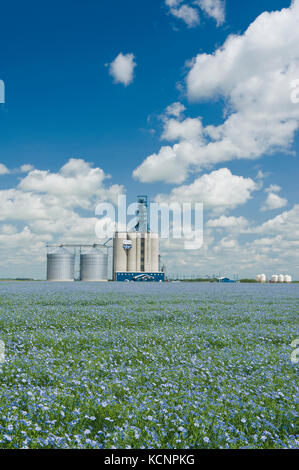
point(225, 279)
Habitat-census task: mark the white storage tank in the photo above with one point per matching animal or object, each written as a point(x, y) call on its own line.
point(288, 279)
point(263, 278)
point(258, 278)
point(94, 265)
point(60, 265)
point(281, 278)
point(274, 278)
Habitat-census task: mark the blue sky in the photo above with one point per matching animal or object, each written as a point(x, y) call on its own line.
point(62, 103)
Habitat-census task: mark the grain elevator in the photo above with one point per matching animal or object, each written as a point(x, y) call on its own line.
point(134, 256)
point(136, 253)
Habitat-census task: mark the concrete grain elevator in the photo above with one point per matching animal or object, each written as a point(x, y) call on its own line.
point(136, 253)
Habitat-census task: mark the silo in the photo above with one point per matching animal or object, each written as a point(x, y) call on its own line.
point(60, 265)
point(147, 253)
point(274, 278)
point(94, 265)
point(119, 253)
point(263, 278)
point(281, 278)
point(154, 252)
point(132, 253)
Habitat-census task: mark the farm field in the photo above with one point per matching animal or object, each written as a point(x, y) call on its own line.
point(178, 365)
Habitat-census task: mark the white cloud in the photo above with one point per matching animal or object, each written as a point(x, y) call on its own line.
point(122, 68)
point(213, 8)
point(164, 166)
point(175, 109)
point(22, 169)
point(186, 130)
point(26, 168)
point(77, 184)
point(48, 206)
point(257, 68)
point(274, 201)
point(219, 190)
point(273, 188)
point(226, 244)
point(225, 222)
point(173, 3)
point(187, 10)
point(186, 13)
point(170, 164)
point(261, 175)
point(16, 205)
point(21, 247)
point(3, 169)
point(8, 229)
point(285, 224)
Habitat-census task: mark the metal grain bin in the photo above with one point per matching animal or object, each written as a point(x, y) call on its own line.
point(94, 265)
point(60, 265)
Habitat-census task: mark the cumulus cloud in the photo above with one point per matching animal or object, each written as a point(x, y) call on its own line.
point(213, 8)
point(26, 168)
point(175, 109)
point(273, 188)
point(219, 190)
point(186, 130)
point(170, 163)
point(186, 13)
point(16, 205)
point(187, 10)
point(257, 68)
point(3, 169)
point(122, 68)
point(21, 248)
point(225, 222)
point(22, 169)
point(77, 184)
point(173, 3)
point(163, 166)
point(46, 206)
point(285, 224)
point(273, 200)
point(261, 175)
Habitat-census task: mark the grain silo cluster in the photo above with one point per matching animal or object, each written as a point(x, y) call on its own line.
point(135, 256)
point(280, 278)
point(261, 278)
point(61, 263)
point(275, 279)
